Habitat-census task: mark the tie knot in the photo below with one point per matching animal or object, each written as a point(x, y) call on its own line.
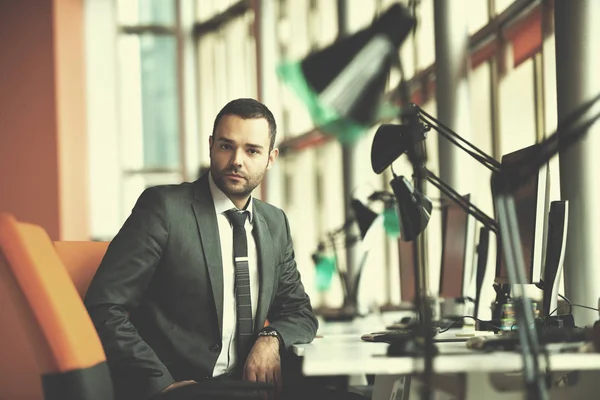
point(236, 217)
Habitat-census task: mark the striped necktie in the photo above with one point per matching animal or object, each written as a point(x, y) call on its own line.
point(242, 284)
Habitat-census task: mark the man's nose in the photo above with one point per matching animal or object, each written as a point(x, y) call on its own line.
point(236, 159)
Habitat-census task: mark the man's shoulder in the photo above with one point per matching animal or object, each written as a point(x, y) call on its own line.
point(172, 188)
point(271, 213)
point(170, 192)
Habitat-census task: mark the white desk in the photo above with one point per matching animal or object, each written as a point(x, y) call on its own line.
point(341, 352)
point(348, 355)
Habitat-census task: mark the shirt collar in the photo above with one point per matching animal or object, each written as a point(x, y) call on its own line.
point(222, 202)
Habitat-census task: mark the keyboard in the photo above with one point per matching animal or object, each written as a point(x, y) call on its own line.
point(392, 335)
point(441, 324)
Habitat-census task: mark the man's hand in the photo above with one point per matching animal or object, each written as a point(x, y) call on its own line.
point(264, 363)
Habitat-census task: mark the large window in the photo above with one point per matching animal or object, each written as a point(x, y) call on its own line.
point(162, 130)
point(226, 60)
point(149, 98)
point(140, 119)
point(149, 102)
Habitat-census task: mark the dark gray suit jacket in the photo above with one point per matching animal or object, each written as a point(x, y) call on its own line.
point(157, 297)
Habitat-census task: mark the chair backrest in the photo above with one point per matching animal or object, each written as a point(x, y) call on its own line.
point(49, 346)
point(81, 259)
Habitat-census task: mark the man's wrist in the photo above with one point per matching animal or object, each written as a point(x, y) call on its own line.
point(272, 334)
point(268, 333)
point(269, 339)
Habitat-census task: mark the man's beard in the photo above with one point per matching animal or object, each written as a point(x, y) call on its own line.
point(243, 189)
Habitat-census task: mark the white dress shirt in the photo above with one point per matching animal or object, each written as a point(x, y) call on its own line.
point(227, 357)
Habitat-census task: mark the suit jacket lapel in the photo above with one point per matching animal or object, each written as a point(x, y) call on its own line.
point(266, 265)
point(204, 210)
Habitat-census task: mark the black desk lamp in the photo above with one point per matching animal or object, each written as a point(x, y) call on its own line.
point(364, 218)
point(391, 141)
point(504, 182)
point(343, 84)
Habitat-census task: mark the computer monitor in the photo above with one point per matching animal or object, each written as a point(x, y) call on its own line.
point(531, 204)
point(457, 251)
point(558, 223)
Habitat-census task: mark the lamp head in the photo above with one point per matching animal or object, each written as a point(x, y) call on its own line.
point(389, 143)
point(414, 208)
point(343, 84)
point(364, 216)
point(393, 140)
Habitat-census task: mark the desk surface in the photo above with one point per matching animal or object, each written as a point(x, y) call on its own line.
point(341, 352)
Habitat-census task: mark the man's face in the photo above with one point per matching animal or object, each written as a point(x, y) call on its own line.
point(239, 155)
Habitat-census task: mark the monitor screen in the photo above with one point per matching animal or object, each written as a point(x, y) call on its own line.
point(454, 251)
point(531, 203)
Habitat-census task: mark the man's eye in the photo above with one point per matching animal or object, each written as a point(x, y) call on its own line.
point(225, 146)
point(252, 151)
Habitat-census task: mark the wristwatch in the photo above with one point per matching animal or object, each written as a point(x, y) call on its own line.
point(268, 331)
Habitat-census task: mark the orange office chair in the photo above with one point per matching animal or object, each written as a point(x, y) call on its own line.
point(49, 347)
point(81, 259)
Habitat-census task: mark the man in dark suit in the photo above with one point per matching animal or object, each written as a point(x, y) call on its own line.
point(164, 297)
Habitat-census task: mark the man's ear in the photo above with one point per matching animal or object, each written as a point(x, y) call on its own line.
point(210, 141)
point(272, 157)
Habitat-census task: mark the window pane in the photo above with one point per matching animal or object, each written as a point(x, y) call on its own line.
point(149, 101)
point(478, 15)
point(360, 14)
point(480, 189)
point(425, 37)
point(302, 212)
point(146, 12)
point(221, 80)
point(294, 45)
point(206, 9)
point(207, 104)
point(297, 18)
point(481, 135)
point(240, 50)
point(324, 23)
point(517, 109)
point(502, 5)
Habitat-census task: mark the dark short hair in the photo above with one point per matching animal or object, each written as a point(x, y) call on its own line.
point(246, 108)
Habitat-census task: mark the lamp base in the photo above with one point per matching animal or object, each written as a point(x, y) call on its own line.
point(338, 314)
point(412, 345)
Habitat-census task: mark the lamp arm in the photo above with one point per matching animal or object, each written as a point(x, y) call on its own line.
point(466, 205)
point(453, 137)
point(347, 224)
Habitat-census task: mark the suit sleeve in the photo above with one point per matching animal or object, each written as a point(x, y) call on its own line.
point(291, 313)
point(117, 289)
